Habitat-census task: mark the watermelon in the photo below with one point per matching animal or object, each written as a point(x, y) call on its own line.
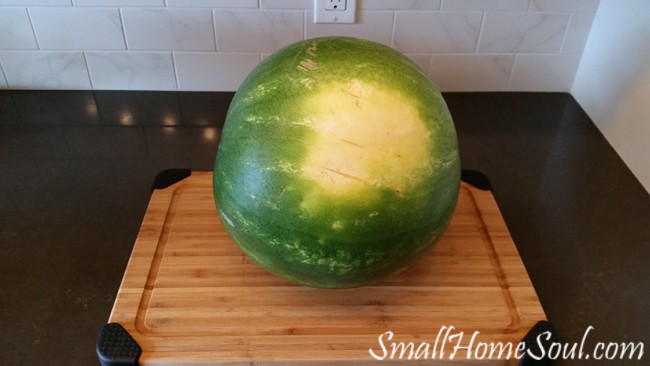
point(338, 163)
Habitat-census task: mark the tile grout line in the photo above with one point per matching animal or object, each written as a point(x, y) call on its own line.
point(31, 24)
point(480, 32)
point(121, 16)
point(214, 29)
point(178, 84)
point(393, 30)
point(566, 34)
point(90, 79)
point(512, 72)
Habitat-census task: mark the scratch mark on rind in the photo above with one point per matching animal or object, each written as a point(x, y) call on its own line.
point(345, 175)
point(307, 65)
point(352, 94)
point(350, 142)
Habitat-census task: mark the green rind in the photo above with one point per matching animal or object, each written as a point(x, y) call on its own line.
point(259, 193)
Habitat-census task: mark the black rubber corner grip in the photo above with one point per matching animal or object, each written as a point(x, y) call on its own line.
point(116, 347)
point(169, 177)
point(540, 335)
point(476, 179)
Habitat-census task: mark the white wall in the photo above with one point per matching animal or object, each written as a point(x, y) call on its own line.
point(464, 45)
point(613, 81)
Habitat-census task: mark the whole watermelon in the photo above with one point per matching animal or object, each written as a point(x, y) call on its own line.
point(338, 163)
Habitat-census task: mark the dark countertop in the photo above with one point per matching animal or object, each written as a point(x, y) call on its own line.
point(76, 169)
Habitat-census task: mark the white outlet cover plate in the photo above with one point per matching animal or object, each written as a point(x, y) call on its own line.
point(335, 16)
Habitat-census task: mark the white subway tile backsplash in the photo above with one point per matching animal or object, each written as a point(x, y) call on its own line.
point(257, 31)
point(16, 30)
point(131, 70)
point(505, 5)
point(287, 4)
point(552, 73)
point(587, 6)
point(464, 45)
point(36, 2)
point(372, 25)
point(169, 29)
point(214, 3)
point(77, 28)
point(474, 72)
point(436, 32)
point(577, 33)
point(199, 71)
point(45, 70)
point(399, 4)
point(361, 4)
point(523, 32)
point(121, 3)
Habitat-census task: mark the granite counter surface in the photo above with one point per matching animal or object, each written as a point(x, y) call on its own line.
point(76, 169)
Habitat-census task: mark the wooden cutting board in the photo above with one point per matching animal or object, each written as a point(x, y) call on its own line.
point(191, 297)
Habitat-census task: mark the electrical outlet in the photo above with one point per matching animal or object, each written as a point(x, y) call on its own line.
point(335, 11)
point(338, 5)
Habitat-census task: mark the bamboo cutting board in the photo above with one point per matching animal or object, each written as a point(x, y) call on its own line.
point(190, 297)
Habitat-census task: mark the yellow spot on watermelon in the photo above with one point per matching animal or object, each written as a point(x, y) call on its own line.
point(363, 136)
